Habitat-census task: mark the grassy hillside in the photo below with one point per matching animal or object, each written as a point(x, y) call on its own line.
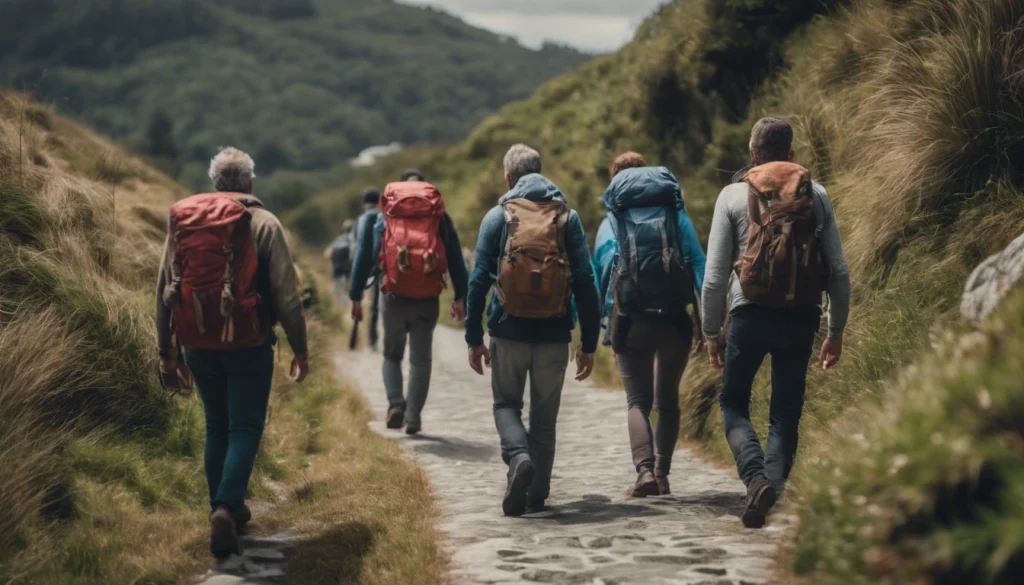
point(302, 84)
point(911, 115)
point(102, 471)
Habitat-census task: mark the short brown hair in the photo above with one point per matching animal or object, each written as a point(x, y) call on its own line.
point(628, 160)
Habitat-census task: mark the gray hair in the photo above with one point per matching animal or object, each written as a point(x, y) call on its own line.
point(232, 171)
point(520, 161)
point(771, 140)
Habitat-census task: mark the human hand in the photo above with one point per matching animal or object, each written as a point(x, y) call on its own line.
point(716, 351)
point(831, 352)
point(357, 312)
point(584, 364)
point(479, 356)
point(698, 333)
point(459, 311)
point(300, 368)
point(175, 375)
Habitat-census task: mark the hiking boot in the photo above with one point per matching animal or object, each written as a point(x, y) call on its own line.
point(534, 504)
point(520, 476)
point(223, 534)
point(761, 497)
point(242, 518)
point(396, 416)
point(413, 429)
point(646, 485)
point(663, 488)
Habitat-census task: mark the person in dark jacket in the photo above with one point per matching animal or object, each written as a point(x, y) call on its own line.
point(534, 348)
point(407, 320)
point(367, 223)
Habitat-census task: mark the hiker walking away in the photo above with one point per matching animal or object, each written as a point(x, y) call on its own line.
point(778, 229)
point(416, 244)
point(649, 265)
point(365, 226)
point(533, 251)
point(225, 279)
point(340, 254)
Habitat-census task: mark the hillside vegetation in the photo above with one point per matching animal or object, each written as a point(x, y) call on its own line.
point(102, 470)
point(302, 84)
point(911, 113)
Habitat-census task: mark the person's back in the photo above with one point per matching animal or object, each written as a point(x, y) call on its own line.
point(649, 261)
point(533, 251)
point(774, 308)
point(414, 245)
point(224, 318)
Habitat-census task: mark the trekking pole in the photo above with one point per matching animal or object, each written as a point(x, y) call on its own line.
point(353, 339)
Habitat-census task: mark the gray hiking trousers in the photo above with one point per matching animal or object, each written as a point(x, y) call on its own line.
point(544, 363)
point(409, 321)
point(652, 365)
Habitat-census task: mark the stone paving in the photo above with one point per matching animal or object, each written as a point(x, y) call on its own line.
point(262, 562)
point(592, 534)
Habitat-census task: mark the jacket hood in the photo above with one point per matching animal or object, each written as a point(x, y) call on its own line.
point(643, 187)
point(536, 188)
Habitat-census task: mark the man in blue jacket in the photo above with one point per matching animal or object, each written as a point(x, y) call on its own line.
point(407, 320)
point(534, 348)
point(660, 331)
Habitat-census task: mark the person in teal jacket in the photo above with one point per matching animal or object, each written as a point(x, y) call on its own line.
point(650, 339)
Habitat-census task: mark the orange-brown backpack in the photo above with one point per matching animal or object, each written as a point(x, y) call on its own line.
point(782, 265)
point(534, 277)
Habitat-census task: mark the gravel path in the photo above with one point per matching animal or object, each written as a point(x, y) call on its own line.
point(593, 534)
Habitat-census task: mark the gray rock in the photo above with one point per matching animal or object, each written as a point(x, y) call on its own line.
point(223, 580)
point(992, 281)
point(264, 554)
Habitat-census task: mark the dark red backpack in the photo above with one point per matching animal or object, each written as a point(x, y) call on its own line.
point(413, 257)
point(214, 262)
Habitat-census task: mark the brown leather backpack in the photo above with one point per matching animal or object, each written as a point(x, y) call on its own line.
point(534, 278)
point(782, 265)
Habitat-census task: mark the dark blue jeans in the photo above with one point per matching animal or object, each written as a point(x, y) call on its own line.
point(788, 336)
point(235, 387)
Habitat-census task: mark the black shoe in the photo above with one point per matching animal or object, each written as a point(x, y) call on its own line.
point(761, 497)
point(396, 417)
point(535, 505)
point(413, 429)
point(519, 479)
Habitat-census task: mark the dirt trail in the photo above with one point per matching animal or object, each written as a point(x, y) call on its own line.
point(593, 533)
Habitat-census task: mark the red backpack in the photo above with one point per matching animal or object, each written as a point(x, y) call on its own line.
point(413, 258)
point(214, 262)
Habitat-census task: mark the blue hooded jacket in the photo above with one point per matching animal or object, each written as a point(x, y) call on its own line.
point(489, 249)
point(640, 183)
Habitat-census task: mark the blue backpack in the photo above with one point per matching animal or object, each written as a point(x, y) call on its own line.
point(651, 278)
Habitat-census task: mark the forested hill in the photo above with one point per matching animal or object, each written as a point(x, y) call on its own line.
point(300, 83)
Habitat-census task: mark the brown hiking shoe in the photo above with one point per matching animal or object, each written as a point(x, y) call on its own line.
point(242, 518)
point(646, 485)
point(223, 534)
point(761, 498)
point(663, 488)
point(396, 417)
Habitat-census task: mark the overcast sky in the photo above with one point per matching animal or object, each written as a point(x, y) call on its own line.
point(590, 25)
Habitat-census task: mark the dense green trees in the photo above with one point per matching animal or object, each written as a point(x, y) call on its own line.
point(306, 84)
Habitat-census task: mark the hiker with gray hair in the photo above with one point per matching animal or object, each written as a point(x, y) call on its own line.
point(224, 319)
point(777, 228)
point(533, 251)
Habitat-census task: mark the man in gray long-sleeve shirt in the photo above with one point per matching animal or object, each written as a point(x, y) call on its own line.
point(755, 331)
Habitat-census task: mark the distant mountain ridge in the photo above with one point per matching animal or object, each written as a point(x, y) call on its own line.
point(302, 84)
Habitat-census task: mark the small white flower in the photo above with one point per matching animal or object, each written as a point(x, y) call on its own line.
point(898, 462)
point(860, 500)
